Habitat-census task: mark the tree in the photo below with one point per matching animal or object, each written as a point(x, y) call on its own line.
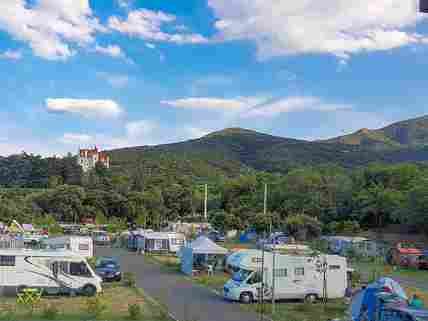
point(378, 205)
point(55, 181)
point(417, 207)
point(303, 227)
point(261, 222)
point(100, 219)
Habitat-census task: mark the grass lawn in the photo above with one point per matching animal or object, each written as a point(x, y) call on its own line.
point(299, 311)
point(114, 302)
point(168, 261)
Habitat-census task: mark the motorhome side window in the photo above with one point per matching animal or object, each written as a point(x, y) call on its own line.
point(79, 269)
point(299, 271)
point(6, 260)
point(280, 273)
point(334, 267)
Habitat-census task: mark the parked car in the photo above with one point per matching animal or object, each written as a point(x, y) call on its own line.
point(423, 262)
point(404, 314)
point(108, 268)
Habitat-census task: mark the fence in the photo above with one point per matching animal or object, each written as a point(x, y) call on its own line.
point(6, 243)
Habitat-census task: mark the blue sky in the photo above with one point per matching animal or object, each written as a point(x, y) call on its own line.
point(121, 73)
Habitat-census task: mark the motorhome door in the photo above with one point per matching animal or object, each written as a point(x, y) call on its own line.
point(289, 283)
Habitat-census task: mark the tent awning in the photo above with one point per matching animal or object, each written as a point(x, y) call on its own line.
point(203, 245)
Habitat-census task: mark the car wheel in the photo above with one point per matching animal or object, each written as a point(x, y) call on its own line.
point(89, 290)
point(311, 298)
point(246, 298)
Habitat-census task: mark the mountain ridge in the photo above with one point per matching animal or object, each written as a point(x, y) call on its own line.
point(231, 150)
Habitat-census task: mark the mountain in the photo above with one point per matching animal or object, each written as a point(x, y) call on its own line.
point(235, 150)
point(411, 133)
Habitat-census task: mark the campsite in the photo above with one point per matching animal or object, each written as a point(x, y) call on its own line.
point(305, 280)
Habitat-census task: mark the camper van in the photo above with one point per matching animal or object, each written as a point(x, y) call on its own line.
point(81, 245)
point(56, 272)
point(296, 277)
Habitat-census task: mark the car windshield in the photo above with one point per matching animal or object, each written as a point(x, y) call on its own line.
point(422, 318)
point(106, 263)
point(241, 275)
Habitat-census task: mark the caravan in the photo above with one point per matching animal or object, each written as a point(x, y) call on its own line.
point(296, 277)
point(81, 245)
point(54, 272)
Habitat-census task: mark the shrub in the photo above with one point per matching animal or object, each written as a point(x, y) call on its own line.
point(95, 306)
point(129, 280)
point(134, 311)
point(50, 312)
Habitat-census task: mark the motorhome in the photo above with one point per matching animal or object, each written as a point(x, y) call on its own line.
point(55, 272)
point(81, 245)
point(295, 277)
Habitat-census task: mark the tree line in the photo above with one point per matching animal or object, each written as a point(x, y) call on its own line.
point(309, 200)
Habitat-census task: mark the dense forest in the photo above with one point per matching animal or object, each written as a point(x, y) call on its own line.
point(325, 198)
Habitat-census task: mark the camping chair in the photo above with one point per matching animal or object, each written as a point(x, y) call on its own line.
point(210, 270)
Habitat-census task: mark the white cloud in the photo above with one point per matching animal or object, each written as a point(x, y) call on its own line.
point(125, 3)
point(148, 25)
point(52, 28)
point(76, 139)
point(150, 45)
point(140, 129)
point(212, 103)
point(115, 80)
point(111, 50)
point(337, 27)
point(293, 104)
point(92, 108)
point(11, 55)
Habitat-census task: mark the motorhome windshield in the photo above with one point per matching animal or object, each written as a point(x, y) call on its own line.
point(241, 275)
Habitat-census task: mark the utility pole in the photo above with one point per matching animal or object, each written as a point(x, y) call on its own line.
point(265, 208)
point(206, 203)
point(273, 282)
point(262, 299)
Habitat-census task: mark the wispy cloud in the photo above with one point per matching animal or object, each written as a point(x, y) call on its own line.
point(91, 108)
point(293, 104)
point(11, 55)
point(115, 80)
point(213, 103)
point(148, 25)
point(76, 139)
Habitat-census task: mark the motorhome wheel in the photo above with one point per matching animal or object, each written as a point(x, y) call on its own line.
point(246, 298)
point(21, 288)
point(311, 298)
point(89, 290)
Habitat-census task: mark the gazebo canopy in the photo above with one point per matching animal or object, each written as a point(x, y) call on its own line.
point(203, 245)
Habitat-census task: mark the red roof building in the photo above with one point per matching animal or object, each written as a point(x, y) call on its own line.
point(88, 158)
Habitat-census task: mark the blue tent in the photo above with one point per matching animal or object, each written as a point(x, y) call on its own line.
point(369, 303)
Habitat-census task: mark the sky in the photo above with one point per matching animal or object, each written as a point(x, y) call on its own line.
point(117, 73)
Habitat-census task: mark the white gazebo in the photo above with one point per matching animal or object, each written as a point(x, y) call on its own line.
point(199, 254)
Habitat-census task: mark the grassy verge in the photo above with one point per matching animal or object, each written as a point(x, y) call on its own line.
point(298, 311)
point(112, 304)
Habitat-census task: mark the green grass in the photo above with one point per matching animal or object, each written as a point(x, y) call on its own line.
point(298, 311)
point(115, 298)
point(215, 281)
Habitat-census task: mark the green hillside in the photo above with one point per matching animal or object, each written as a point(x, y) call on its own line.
point(411, 133)
point(235, 150)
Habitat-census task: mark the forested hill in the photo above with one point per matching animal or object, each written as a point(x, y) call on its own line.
point(234, 150)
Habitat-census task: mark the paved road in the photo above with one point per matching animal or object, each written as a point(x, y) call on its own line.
point(185, 300)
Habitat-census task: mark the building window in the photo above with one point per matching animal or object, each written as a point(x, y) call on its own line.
point(6, 260)
point(299, 271)
point(280, 273)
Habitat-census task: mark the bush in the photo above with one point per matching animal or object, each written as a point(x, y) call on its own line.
point(50, 312)
point(129, 280)
point(134, 311)
point(95, 306)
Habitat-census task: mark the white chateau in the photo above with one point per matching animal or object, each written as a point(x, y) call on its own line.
point(88, 158)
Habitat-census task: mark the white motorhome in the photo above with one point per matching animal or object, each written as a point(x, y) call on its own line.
point(296, 277)
point(54, 272)
point(81, 245)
